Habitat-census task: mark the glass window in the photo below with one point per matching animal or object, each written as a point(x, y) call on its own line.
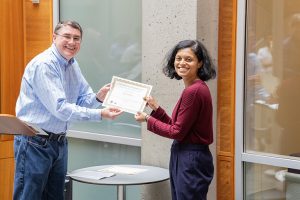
point(269, 182)
point(272, 77)
point(111, 45)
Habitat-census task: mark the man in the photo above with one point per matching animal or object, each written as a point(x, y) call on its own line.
point(53, 94)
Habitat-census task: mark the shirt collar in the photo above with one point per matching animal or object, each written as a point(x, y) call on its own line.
point(62, 61)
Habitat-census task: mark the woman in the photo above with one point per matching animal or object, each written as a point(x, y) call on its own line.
point(191, 163)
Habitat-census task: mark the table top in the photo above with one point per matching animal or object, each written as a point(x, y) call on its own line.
point(124, 174)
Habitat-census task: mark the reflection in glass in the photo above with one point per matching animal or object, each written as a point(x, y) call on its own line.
point(269, 182)
point(111, 45)
point(272, 76)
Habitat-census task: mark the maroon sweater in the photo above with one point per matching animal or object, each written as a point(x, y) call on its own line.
point(191, 120)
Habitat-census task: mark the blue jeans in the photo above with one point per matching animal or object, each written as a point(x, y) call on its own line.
point(40, 168)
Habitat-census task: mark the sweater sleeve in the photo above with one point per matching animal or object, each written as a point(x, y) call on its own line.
point(161, 115)
point(185, 114)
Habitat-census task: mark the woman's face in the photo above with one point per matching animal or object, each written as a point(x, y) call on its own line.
point(187, 64)
point(67, 41)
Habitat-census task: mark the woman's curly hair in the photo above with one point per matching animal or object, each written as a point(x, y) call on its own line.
point(205, 73)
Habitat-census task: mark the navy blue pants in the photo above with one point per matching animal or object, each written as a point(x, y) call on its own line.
point(191, 171)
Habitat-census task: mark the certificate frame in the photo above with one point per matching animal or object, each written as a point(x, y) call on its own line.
point(127, 95)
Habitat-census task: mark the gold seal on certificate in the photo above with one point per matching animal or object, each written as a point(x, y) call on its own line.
point(127, 95)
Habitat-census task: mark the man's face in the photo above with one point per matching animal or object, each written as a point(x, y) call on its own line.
point(67, 40)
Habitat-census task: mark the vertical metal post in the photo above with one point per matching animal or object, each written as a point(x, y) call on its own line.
point(121, 192)
point(68, 189)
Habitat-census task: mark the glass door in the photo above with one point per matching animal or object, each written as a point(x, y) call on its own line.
point(267, 98)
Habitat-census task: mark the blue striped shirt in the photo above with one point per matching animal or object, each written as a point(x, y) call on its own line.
point(54, 93)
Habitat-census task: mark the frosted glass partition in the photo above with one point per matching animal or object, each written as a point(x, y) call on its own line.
point(86, 153)
point(111, 45)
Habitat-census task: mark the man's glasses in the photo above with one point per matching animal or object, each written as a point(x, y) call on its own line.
point(76, 39)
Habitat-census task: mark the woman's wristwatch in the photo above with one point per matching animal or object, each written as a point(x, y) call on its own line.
point(146, 118)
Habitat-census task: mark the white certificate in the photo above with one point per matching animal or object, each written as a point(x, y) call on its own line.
point(127, 95)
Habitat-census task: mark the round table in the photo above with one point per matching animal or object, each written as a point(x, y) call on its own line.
point(124, 175)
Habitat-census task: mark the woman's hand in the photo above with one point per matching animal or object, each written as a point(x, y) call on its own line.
point(151, 102)
point(141, 116)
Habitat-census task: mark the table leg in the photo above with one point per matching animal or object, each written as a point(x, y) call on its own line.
point(121, 192)
point(68, 189)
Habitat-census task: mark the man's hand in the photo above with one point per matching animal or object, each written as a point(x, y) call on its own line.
point(102, 92)
point(110, 113)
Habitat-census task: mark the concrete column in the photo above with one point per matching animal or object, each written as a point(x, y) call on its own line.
point(165, 23)
point(207, 33)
